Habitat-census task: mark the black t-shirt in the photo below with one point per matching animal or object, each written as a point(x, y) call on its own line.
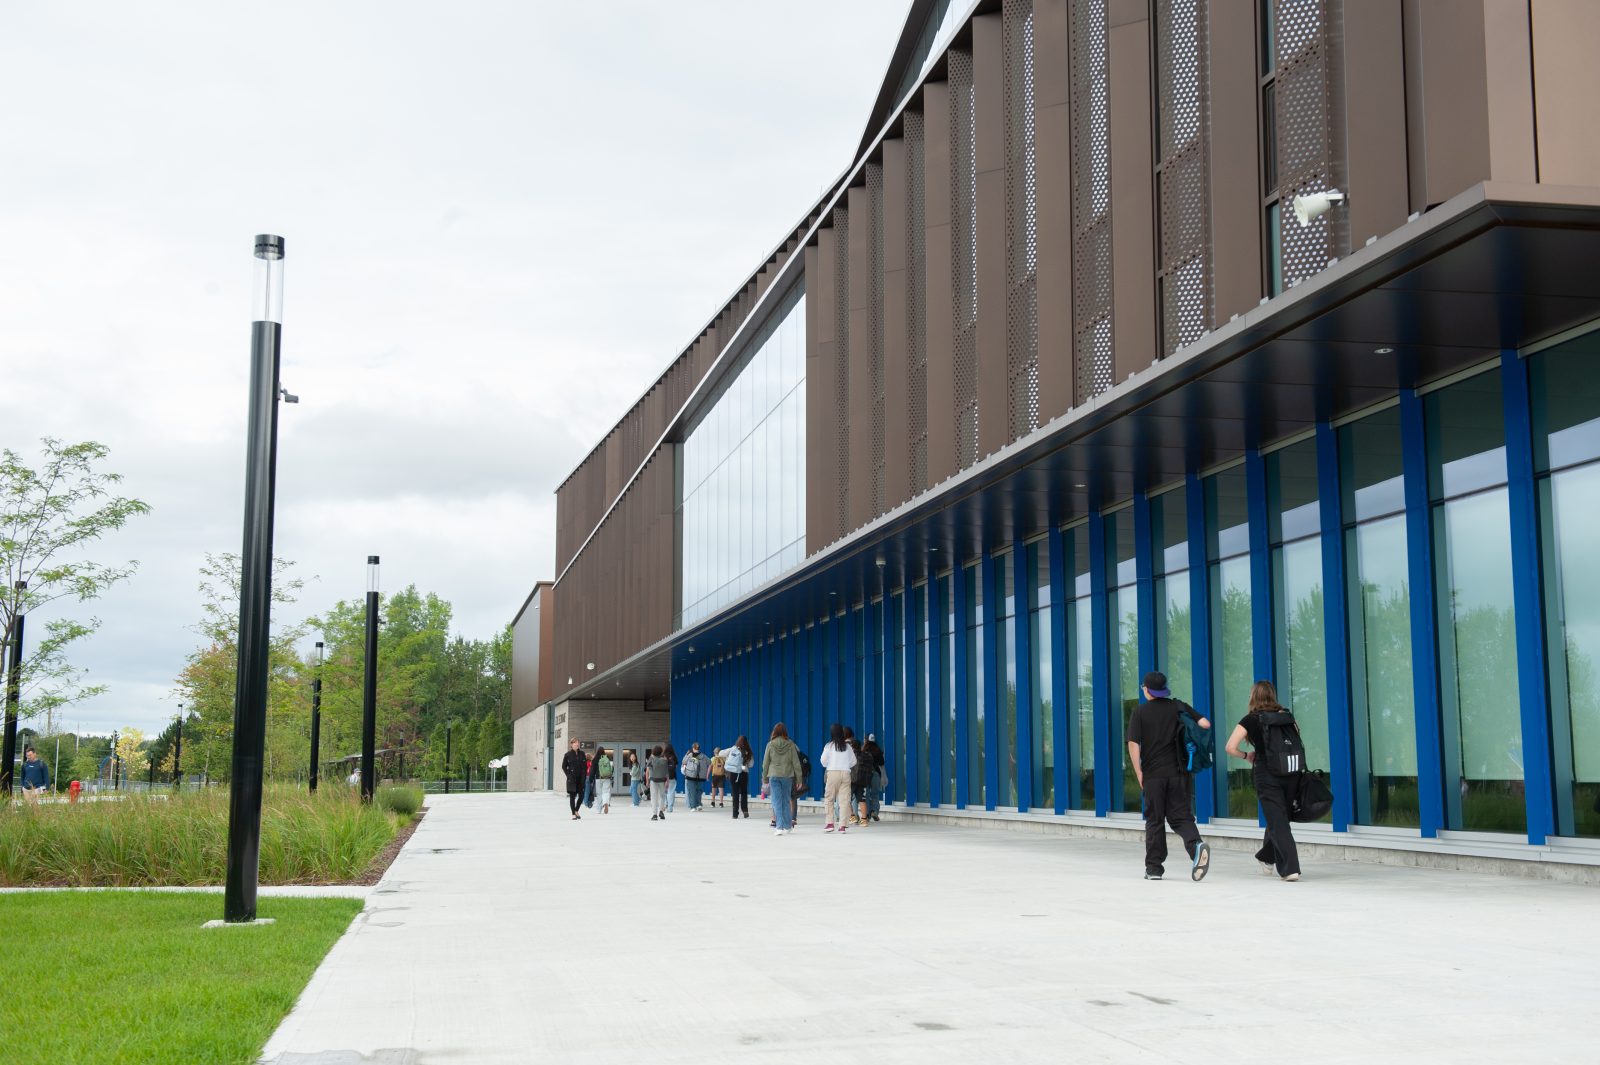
point(1154, 727)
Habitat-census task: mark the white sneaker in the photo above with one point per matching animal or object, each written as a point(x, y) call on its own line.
point(1267, 869)
point(1292, 877)
point(777, 832)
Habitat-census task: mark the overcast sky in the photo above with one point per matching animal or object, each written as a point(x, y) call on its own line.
point(502, 220)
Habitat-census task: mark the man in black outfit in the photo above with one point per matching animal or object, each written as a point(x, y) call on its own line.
point(1153, 752)
point(576, 769)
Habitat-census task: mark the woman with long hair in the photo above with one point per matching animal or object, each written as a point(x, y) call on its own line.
point(838, 759)
point(736, 763)
point(630, 766)
point(780, 768)
point(1277, 854)
point(672, 778)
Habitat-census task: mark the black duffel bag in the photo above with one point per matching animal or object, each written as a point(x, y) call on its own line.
point(1313, 799)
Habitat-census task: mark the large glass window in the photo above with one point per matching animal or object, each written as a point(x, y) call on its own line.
point(1123, 602)
point(1174, 649)
point(947, 686)
point(741, 473)
point(1232, 635)
point(927, 759)
point(1477, 642)
point(1379, 596)
point(1080, 653)
point(1297, 615)
point(1566, 396)
point(1006, 659)
point(1043, 674)
point(893, 731)
point(976, 790)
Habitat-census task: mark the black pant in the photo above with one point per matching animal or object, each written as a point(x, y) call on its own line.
point(1167, 802)
point(739, 792)
point(1277, 848)
point(576, 799)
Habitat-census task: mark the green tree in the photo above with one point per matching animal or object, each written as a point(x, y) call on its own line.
point(50, 517)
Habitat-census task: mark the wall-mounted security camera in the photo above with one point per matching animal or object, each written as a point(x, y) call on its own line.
point(288, 396)
point(1313, 205)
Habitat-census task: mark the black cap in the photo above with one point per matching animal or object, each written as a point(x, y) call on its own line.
point(1156, 681)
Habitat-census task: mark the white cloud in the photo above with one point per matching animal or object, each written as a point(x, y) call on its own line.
point(503, 220)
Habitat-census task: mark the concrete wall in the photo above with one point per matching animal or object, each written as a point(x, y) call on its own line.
point(590, 721)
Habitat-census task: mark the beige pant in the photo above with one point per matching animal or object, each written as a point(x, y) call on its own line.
point(836, 789)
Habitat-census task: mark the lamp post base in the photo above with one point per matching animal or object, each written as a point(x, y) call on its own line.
point(240, 924)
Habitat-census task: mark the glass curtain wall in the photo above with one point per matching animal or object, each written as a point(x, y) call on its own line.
point(976, 789)
point(892, 726)
point(1566, 396)
point(1479, 697)
point(1042, 676)
point(1232, 637)
point(927, 699)
point(1122, 601)
point(1383, 713)
point(1080, 654)
point(1174, 651)
point(742, 472)
point(1006, 663)
point(1295, 528)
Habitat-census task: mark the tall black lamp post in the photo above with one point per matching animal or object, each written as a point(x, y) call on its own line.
point(177, 753)
point(369, 687)
point(8, 754)
point(316, 715)
point(255, 587)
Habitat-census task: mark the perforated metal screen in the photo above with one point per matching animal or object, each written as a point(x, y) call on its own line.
point(964, 252)
point(1302, 35)
point(1022, 237)
point(1091, 198)
point(841, 363)
point(1184, 269)
point(916, 300)
point(874, 353)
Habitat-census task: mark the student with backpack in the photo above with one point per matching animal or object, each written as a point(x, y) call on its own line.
point(838, 759)
point(660, 782)
point(737, 763)
point(694, 775)
point(862, 776)
point(672, 777)
point(602, 779)
point(718, 774)
point(780, 767)
point(1278, 759)
point(1163, 759)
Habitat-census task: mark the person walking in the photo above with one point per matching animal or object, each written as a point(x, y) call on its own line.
point(737, 761)
point(602, 777)
point(671, 753)
point(718, 775)
point(592, 770)
point(780, 768)
point(692, 776)
point(630, 766)
point(660, 783)
point(838, 759)
point(1153, 752)
point(1278, 854)
point(863, 775)
point(576, 769)
point(879, 781)
point(802, 785)
point(35, 775)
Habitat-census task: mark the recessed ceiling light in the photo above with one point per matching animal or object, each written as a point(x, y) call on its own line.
point(1079, 484)
point(1383, 351)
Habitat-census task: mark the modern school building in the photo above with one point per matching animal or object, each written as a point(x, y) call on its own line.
point(1237, 340)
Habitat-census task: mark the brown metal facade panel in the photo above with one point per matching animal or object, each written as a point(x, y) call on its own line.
point(916, 297)
point(963, 307)
point(1372, 58)
point(1508, 45)
point(1133, 297)
point(896, 370)
point(858, 331)
point(839, 324)
point(1090, 69)
point(823, 424)
point(1184, 286)
point(1233, 95)
point(989, 132)
point(939, 322)
point(1567, 84)
point(1052, 132)
point(1021, 251)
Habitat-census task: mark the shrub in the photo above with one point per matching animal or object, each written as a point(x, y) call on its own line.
point(401, 800)
point(182, 840)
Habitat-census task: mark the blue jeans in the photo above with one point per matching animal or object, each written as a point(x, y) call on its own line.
point(634, 788)
point(694, 787)
point(781, 789)
point(672, 794)
point(873, 796)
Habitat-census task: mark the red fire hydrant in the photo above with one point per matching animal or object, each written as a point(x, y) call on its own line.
point(74, 790)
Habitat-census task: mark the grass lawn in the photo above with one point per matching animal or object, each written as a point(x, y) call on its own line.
point(130, 976)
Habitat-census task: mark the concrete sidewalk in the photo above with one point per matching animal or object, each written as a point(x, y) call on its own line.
point(507, 933)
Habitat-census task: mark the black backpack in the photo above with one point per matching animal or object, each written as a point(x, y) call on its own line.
point(1195, 751)
point(861, 774)
point(1282, 751)
point(805, 769)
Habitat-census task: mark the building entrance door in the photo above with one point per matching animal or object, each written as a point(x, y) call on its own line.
point(623, 774)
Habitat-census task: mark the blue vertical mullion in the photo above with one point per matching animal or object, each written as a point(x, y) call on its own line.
point(1424, 618)
point(989, 574)
point(1335, 627)
point(1022, 654)
point(1144, 563)
point(830, 673)
point(958, 591)
point(1263, 645)
point(935, 678)
point(1194, 509)
point(1063, 741)
point(1099, 651)
point(1527, 589)
point(913, 717)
